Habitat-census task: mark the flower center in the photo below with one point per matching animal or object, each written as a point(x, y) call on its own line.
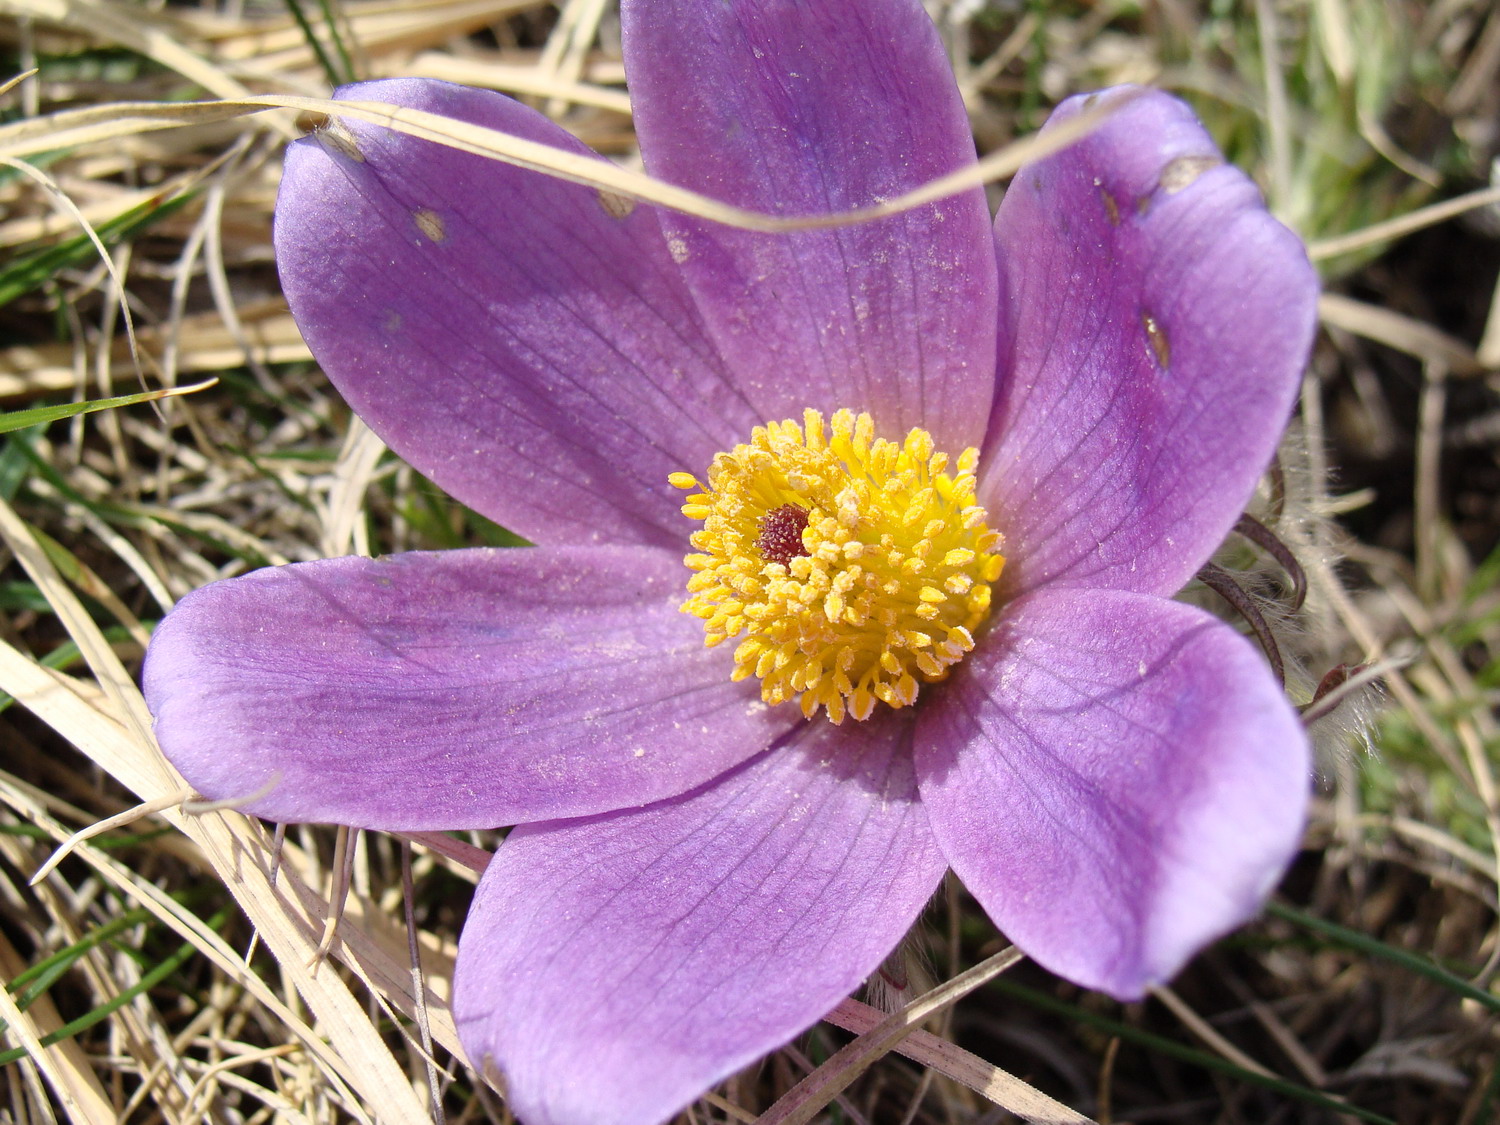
point(855, 567)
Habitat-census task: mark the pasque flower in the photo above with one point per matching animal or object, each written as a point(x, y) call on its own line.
point(935, 483)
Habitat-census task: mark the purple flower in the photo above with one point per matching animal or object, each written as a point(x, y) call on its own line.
point(700, 872)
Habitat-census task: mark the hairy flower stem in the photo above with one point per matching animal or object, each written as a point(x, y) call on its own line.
point(1219, 580)
point(1268, 541)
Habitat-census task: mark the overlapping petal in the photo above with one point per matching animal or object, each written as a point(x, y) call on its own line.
point(805, 108)
point(615, 967)
point(1117, 779)
point(1156, 321)
point(456, 689)
point(516, 338)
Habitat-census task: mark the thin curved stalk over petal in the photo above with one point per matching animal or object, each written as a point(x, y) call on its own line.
point(523, 341)
point(454, 689)
point(1157, 321)
point(1117, 779)
point(800, 108)
point(613, 968)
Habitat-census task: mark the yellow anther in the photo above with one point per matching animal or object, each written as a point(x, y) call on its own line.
point(882, 586)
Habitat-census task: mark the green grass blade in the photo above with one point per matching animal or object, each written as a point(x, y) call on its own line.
point(42, 415)
point(160, 973)
point(32, 271)
point(1183, 1052)
point(42, 975)
point(330, 20)
point(329, 68)
point(1363, 943)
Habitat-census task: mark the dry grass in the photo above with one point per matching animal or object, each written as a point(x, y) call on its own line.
point(190, 938)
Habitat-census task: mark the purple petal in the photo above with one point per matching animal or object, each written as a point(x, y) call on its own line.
point(797, 109)
point(1117, 779)
point(457, 689)
point(1157, 320)
point(614, 968)
point(510, 335)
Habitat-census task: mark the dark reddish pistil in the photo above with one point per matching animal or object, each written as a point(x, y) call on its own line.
point(780, 538)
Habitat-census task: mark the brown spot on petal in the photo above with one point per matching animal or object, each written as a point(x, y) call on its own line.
point(430, 223)
point(334, 134)
point(1181, 172)
point(616, 206)
point(1111, 208)
point(1158, 337)
point(392, 323)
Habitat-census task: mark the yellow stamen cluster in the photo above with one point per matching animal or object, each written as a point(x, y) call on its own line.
point(888, 585)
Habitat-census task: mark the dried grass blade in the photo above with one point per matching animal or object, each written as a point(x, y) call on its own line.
point(72, 127)
point(464, 854)
point(373, 945)
point(1403, 225)
point(239, 853)
point(1206, 1033)
point(805, 1099)
point(82, 126)
point(64, 1065)
point(513, 79)
point(1404, 333)
point(1336, 38)
point(62, 718)
point(133, 29)
point(203, 344)
point(1003, 1089)
point(378, 29)
point(418, 979)
point(66, 204)
point(353, 473)
point(129, 816)
point(11, 83)
point(100, 656)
